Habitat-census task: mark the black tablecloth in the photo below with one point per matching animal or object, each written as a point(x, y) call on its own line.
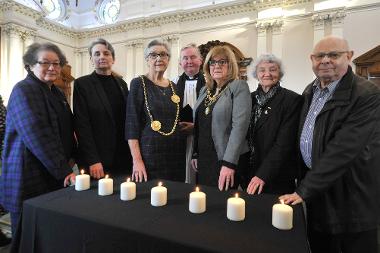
point(70, 221)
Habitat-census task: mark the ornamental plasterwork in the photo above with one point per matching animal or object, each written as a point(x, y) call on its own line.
point(274, 25)
point(44, 23)
point(8, 5)
point(135, 43)
point(18, 30)
point(335, 16)
point(265, 4)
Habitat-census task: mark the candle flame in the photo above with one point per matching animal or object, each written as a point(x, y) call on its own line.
point(197, 189)
point(128, 179)
point(282, 201)
point(236, 195)
point(159, 183)
point(82, 172)
point(106, 176)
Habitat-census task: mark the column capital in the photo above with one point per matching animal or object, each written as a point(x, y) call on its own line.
point(22, 32)
point(275, 25)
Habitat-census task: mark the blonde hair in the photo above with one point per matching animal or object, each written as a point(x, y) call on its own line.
point(226, 52)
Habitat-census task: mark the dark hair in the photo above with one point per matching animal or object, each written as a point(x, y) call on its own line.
point(30, 57)
point(103, 42)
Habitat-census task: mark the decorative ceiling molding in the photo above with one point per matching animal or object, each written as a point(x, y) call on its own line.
point(18, 30)
point(331, 15)
point(8, 5)
point(265, 4)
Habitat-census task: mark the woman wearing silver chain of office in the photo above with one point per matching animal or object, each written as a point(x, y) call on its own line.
point(222, 115)
point(157, 147)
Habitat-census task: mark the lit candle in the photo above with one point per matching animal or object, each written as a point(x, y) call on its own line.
point(236, 208)
point(282, 216)
point(105, 186)
point(159, 195)
point(82, 181)
point(128, 190)
point(197, 201)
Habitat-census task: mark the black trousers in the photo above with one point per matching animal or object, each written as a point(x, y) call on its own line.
point(359, 242)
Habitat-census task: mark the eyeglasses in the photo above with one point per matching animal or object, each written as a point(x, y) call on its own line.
point(46, 64)
point(220, 62)
point(162, 55)
point(334, 55)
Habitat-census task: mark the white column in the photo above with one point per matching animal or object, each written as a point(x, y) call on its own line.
point(319, 26)
point(277, 37)
point(4, 63)
point(28, 39)
point(173, 70)
point(15, 63)
point(78, 63)
point(337, 20)
point(131, 68)
point(261, 38)
point(140, 63)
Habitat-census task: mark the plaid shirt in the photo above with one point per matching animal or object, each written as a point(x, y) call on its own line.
point(33, 157)
point(320, 97)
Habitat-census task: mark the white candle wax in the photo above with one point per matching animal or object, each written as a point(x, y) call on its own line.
point(197, 201)
point(159, 195)
point(236, 208)
point(128, 190)
point(282, 216)
point(82, 182)
point(105, 186)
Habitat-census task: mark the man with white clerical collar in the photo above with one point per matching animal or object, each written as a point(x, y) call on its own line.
point(188, 86)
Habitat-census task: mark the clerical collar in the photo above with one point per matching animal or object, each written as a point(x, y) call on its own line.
point(195, 77)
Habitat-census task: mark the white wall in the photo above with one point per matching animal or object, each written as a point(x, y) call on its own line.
point(290, 37)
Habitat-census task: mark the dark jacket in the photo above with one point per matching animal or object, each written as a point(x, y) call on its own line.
point(341, 188)
point(275, 138)
point(34, 161)
point(94, 121)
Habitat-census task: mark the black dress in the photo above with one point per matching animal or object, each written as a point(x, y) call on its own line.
point(163, 156)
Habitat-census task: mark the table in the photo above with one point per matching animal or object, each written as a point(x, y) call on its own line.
point(70, 221)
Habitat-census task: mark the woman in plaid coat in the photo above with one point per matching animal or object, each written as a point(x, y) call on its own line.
point(39, 138)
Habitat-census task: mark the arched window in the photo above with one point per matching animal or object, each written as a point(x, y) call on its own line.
point(107, 11)
point(55, 9)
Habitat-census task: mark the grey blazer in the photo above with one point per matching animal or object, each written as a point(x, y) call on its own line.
point(230, 120)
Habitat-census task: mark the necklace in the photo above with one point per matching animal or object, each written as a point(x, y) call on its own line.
point(211, 99)
point(156, 124)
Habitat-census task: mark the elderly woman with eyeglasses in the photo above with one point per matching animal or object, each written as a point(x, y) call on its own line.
point(221, 118)
point(157, 147)
point(39, 143)
point(270, 166)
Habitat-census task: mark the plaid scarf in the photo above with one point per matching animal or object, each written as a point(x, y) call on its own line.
point(262, 99)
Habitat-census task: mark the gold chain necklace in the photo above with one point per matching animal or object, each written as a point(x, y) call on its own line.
point(209, 100)
point(156, 124)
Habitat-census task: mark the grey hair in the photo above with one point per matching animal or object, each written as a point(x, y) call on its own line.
point(192, 45)
point(271, 58)
point(30, 58)
point(103, 42)
point(156, 43)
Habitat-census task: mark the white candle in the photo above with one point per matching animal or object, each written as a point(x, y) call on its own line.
point(128, 190)
point(282, 216)
point(105, 186)
point(159, 195)
point(236, 208)
point(197, 201)
point(82, 182)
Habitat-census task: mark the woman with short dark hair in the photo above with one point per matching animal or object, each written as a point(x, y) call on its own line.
point(39, 142)
point(99, 111)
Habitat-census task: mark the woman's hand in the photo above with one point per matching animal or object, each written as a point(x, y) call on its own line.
point(69, 180)
point(292, 199)
point(194, 164)
point(96, 170)
point(139, 171)
point(255, 184)
point(226, 178)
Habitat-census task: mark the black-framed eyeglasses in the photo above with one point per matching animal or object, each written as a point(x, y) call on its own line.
point(162, 55)
point(333, 55)
point(46, 64)
point(220, 62)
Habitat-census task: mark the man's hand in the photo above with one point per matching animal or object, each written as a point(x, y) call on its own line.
point(96, 170)
point(292, 199)
point(186, 127)
point(226, 178)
